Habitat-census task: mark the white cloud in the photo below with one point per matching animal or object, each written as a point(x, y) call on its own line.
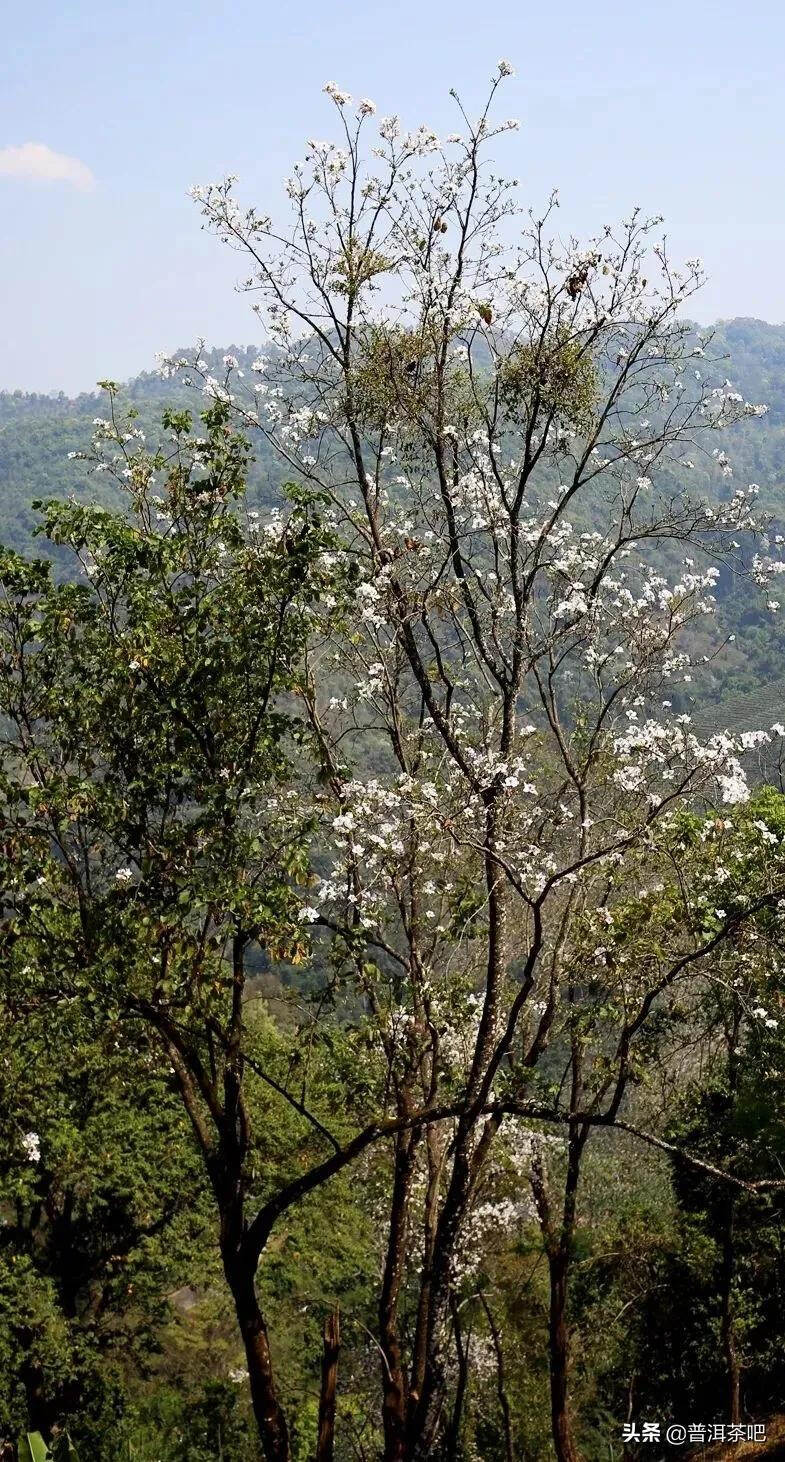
point(36, 161)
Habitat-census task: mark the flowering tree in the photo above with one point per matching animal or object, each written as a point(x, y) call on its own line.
point(505, 425)
point(418, 729)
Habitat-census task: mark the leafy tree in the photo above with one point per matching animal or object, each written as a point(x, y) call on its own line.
point(101, 1210)
point(146, 823)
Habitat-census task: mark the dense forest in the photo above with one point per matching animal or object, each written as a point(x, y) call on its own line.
point(392, 1055)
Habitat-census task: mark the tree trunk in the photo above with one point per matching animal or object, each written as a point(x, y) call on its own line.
point(394, 1390)
point(325, 1444)
point(419, 1349)
point(558, 1248)
point(558, 1344)
point(467, 1158)
point(425, 1410)
point(501, 1390)
point(270, 1420)
point(453, 1438)
point(728, 1264)
point(728, 1327)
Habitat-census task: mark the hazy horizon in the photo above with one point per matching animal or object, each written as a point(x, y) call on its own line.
point(151, 368)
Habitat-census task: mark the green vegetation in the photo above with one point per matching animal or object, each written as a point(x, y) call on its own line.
point(392, 1053)
point(39, 436)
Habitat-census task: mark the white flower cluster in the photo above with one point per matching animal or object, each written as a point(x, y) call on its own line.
point(31, 1143)
point(341, 98)
point(654, 754)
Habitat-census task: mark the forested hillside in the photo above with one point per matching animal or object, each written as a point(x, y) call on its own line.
point(38, 433)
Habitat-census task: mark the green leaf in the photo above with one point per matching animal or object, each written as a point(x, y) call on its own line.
point(33, 1448)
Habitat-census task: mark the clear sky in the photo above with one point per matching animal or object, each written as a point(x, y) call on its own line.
point(674, 104)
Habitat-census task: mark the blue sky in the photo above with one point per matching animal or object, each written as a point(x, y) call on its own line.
point(676, 106)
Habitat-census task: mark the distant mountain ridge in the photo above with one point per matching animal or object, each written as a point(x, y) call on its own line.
point(37, 431)
point(148, 385)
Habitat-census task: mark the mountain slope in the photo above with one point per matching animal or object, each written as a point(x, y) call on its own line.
point(37, 432)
